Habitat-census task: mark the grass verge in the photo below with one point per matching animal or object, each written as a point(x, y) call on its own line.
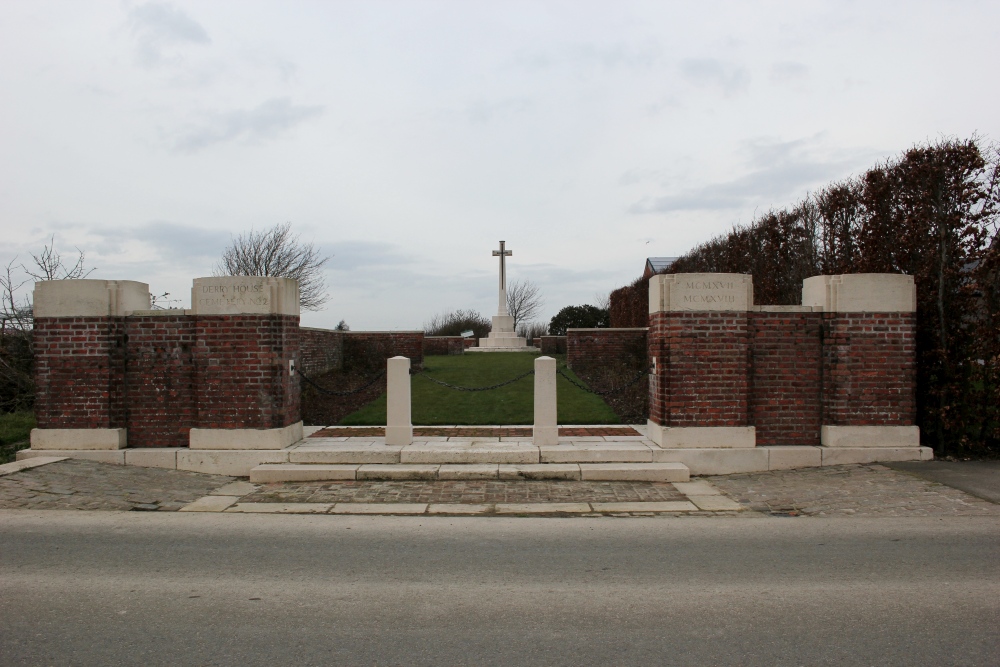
point(15, 429)
point(435, 405)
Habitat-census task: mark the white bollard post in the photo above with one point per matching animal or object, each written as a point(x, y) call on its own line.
point(545, 431)
point(398, 424)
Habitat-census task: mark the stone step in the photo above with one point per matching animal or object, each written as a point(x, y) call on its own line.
point(314, 472)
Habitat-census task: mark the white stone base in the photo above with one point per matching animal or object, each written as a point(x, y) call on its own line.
point(870, 436)
point(79, 438)
point(245, 438)
point(112, 456)
point(835, 456)
point(716, 461)
point(701, 437)
point(236, 463)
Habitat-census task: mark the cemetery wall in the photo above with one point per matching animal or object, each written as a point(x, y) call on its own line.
point(786, 364)
point(869, 367)
point(606, 347)
point(322, 350)
point(553, 344)
point(381, 345)
point(161, 379)
point(443, 345)
point(78, 372)
point(243, 380)
point(700, 375)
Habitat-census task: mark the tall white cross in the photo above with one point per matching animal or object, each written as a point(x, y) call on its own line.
point(502, 253)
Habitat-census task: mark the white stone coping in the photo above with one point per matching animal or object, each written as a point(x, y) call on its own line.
point(787, 309)
point(608, 329)
point(861, 292)
point(79, 438)
point(89, 297)
point(245, 438)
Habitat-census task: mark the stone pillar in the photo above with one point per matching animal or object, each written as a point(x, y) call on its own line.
point(698, 348)
point(246, 347)
point(869, 358)
point(79, 371)
point(545, 431)
point(398, 424)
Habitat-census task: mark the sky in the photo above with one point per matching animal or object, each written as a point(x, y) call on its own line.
point(406, 139)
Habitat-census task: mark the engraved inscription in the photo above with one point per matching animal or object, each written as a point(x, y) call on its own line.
point(242, 294)
point(712, 292)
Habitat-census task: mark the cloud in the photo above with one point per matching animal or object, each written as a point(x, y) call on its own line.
point(265, 121)
point(778, 169)
point(711, 72)
point(785, 72)
point(157, 25)
point(484, 112)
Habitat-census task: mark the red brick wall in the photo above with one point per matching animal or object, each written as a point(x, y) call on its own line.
point(702, 362)
point(553, 344)
point(160, 380)
point(77, 372)
point(786, 364)
point(443, 345)
point(242, 371)
point(585, 347)
point(322, 350)
point(159, 376)
point(868, 369)
point(408, 344)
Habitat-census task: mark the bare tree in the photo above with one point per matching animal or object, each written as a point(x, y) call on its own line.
point(603, 300)
point(523, 301)
point(279, 253)
point(17, 357)
point(49, 265)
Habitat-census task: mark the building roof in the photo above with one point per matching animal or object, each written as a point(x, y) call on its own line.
point(656, 265)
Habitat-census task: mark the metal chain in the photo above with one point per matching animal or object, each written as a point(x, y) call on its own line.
point(613, 390)
point(330, 392)
point(495, 386)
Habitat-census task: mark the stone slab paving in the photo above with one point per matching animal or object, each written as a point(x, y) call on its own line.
point(524, 432)
point(849, 490)
point(465, 491)
point(840, 491)
point(88, 485)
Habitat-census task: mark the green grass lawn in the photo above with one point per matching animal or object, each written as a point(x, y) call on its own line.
point(513, 404)
point(15, 428)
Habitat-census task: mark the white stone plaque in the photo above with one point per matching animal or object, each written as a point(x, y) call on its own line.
point(700, 292)
point(252, 295)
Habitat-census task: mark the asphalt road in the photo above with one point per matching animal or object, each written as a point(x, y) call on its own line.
point(103, 588)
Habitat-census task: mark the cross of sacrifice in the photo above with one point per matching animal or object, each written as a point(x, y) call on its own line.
point(502, 253)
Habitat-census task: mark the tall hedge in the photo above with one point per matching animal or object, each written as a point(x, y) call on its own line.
point(931, 213)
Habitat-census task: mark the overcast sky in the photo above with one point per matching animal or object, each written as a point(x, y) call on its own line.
point(407, 138)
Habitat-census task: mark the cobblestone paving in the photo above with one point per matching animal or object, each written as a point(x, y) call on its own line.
point(850, 490)
point(475, 432)
point(87, 485)
point(471, 491)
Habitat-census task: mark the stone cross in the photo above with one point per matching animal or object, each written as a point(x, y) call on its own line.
point(502, 253)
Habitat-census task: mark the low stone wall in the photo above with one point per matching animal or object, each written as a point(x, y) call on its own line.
point(443, 345)
point(322, 350)
point(553, 344)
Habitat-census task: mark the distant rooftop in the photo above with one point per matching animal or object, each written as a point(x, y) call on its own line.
point(656, 265)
